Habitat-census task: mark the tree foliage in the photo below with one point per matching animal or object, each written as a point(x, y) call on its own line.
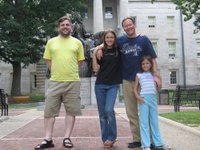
point(190, 9)
point(25, 26)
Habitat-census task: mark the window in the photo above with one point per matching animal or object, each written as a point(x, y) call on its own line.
point(108, 13)
point(151, 21)
point(35, 81)
point(170, 22)
point(172, 49)
point(198, 48)
point(173, 77)
point(155, 47)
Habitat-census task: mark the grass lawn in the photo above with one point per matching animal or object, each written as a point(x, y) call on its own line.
point(191, 118)
point(21, 106)
point(33, 102)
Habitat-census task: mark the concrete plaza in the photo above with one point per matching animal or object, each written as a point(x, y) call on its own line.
point(24, 129)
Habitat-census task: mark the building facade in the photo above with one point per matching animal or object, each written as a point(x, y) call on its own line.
point(176, 44)
point(174, 40)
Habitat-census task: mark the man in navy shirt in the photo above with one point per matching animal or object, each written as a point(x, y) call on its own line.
point(133, 47)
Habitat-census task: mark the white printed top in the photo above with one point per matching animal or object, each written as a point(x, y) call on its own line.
point(147, 83)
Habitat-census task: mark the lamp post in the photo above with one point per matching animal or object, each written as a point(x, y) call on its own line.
point(183, 48)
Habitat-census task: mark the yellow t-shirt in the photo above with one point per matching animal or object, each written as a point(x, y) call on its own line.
point(64, 54)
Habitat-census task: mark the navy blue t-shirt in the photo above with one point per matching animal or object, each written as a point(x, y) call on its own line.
point(132, 50)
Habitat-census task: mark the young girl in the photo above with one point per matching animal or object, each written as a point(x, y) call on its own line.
point(148, 113)
point(109, 75)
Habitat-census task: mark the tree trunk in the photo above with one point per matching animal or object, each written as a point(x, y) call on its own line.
point(16, 82)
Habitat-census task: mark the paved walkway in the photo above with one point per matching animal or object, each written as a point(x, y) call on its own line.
point(24, 129)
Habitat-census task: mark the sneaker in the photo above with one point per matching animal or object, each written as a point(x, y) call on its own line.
point(152, 146)
point(134, 144)
point(163, 147)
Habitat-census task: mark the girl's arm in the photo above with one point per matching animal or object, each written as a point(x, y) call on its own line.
point(135, 90)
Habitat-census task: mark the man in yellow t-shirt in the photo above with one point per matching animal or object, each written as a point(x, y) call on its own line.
point(63, 55)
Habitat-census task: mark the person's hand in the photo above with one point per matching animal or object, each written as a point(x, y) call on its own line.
point(140, 99)
point(158, 82)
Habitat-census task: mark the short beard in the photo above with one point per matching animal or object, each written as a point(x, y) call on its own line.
point(65, 35)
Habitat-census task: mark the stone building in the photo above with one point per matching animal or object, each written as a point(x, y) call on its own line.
point(176, 44)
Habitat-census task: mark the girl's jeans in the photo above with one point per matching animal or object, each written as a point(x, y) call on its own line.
point(148, 113)
point(106, 96)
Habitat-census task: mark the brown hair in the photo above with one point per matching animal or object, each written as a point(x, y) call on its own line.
point(128, 18)
point(115, 40)
point(61, 19)
point(148, 58)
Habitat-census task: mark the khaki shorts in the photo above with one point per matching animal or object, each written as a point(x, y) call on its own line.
point(67, 93)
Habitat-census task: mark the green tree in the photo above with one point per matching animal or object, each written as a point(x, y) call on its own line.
point(189, 8)
point(24, 28)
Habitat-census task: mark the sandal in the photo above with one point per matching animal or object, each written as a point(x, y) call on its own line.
point(67, 143)
point(109, 144)
point(45, 144)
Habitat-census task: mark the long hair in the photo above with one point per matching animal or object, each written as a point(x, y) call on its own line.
point(148, 58)
point(105, 46)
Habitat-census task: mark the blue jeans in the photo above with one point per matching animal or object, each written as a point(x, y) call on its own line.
point(149, 121)
point(106, 96)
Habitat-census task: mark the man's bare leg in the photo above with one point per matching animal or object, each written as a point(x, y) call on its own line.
point(69, 125)
point(47, 142)
point(48, 125)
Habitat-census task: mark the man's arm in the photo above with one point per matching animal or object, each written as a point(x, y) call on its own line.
point(99, 53)
point(156, 74)
point(80, 62)
point(155, 66)
point(95, 65)
point(48, 62)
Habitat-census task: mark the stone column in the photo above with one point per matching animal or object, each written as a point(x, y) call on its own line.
point(97, 16)
point(123, 12)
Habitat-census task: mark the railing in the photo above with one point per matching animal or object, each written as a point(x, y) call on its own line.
point(187, 95)
point(3, 103)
